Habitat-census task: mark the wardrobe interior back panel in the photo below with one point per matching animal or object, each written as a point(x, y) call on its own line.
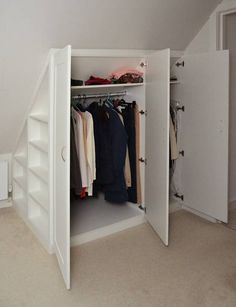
point(83, 67)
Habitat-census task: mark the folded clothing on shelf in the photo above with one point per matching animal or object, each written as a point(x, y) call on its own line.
point(76, 82)
point(97, 81)
point(127, 75)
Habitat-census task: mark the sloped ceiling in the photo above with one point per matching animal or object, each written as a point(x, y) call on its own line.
point(29, 28)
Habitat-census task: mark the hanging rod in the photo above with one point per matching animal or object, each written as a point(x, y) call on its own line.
point(85, 96)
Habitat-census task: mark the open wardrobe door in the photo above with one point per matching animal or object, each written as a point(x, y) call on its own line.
point(157, 142)
point(61, 208)
point(204, 90)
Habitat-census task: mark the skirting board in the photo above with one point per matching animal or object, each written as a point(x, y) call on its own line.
point(5, 204)
point(107, 230)
point(202, 215)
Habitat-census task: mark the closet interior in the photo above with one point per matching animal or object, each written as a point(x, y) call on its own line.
point(93, 217)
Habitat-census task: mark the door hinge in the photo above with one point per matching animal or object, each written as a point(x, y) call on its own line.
point(180, 196)
point(181, 153)
point(181, 108)
point(178, 64)
point(143, 64)
point(142, 160)
point(142, 112)
point(143, 208)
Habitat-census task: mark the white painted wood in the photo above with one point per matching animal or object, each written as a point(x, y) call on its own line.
point(41, 198)
point(21, 206)
point(40, 172)
point(157, 142)
point(3, 180)
point(21, 180)
point(106, 86)
point(221, 31)
point(202, 215)
point(62, 80)
point(40, 117)
point(5, 204)
point(204, 90)
point(39, 144)
point(21, 159)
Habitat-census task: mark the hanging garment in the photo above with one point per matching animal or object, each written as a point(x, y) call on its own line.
point(129, 121)
point(79, 141)
point(137, 143)
point(116, 191)
point(103, 150)
point(75, 176)
point(173, 142)
point(90, 152)
point(127, 163)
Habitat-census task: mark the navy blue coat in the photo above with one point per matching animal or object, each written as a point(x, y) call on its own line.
point(110, 147)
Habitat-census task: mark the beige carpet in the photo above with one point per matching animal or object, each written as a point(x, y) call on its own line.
point(131, 268)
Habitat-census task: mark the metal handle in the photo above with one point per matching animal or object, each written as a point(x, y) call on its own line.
point(63, 153)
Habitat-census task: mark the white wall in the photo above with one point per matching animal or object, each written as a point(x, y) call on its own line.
point(28, 29)
point(208, 40)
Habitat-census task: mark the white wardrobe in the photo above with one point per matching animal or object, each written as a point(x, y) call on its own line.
point(42, 160)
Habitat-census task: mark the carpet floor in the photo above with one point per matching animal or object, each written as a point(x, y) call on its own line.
point(232, 217)
point(129, 269)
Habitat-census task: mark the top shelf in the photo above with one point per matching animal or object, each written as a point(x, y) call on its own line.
point(82, 87)
point(106, 86)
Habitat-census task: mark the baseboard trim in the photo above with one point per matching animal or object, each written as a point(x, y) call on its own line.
point(202, 215)
point(5, 204)
point(107, 230)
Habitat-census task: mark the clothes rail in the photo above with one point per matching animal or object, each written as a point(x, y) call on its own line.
point(85, 96)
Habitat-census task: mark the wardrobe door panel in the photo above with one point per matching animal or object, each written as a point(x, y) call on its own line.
point(157, 142)
point(61, 212)
point(204, 89)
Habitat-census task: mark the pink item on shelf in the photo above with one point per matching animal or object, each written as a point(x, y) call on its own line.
point(120, 72)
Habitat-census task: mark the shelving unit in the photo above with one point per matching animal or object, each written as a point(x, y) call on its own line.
point(106, 86)
point(40, 198)
point(40, 117)
point(40, 145)
point(31, 172)
point(20, 175)
point(21, 159)
point(40, 172)
point(21, 181)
